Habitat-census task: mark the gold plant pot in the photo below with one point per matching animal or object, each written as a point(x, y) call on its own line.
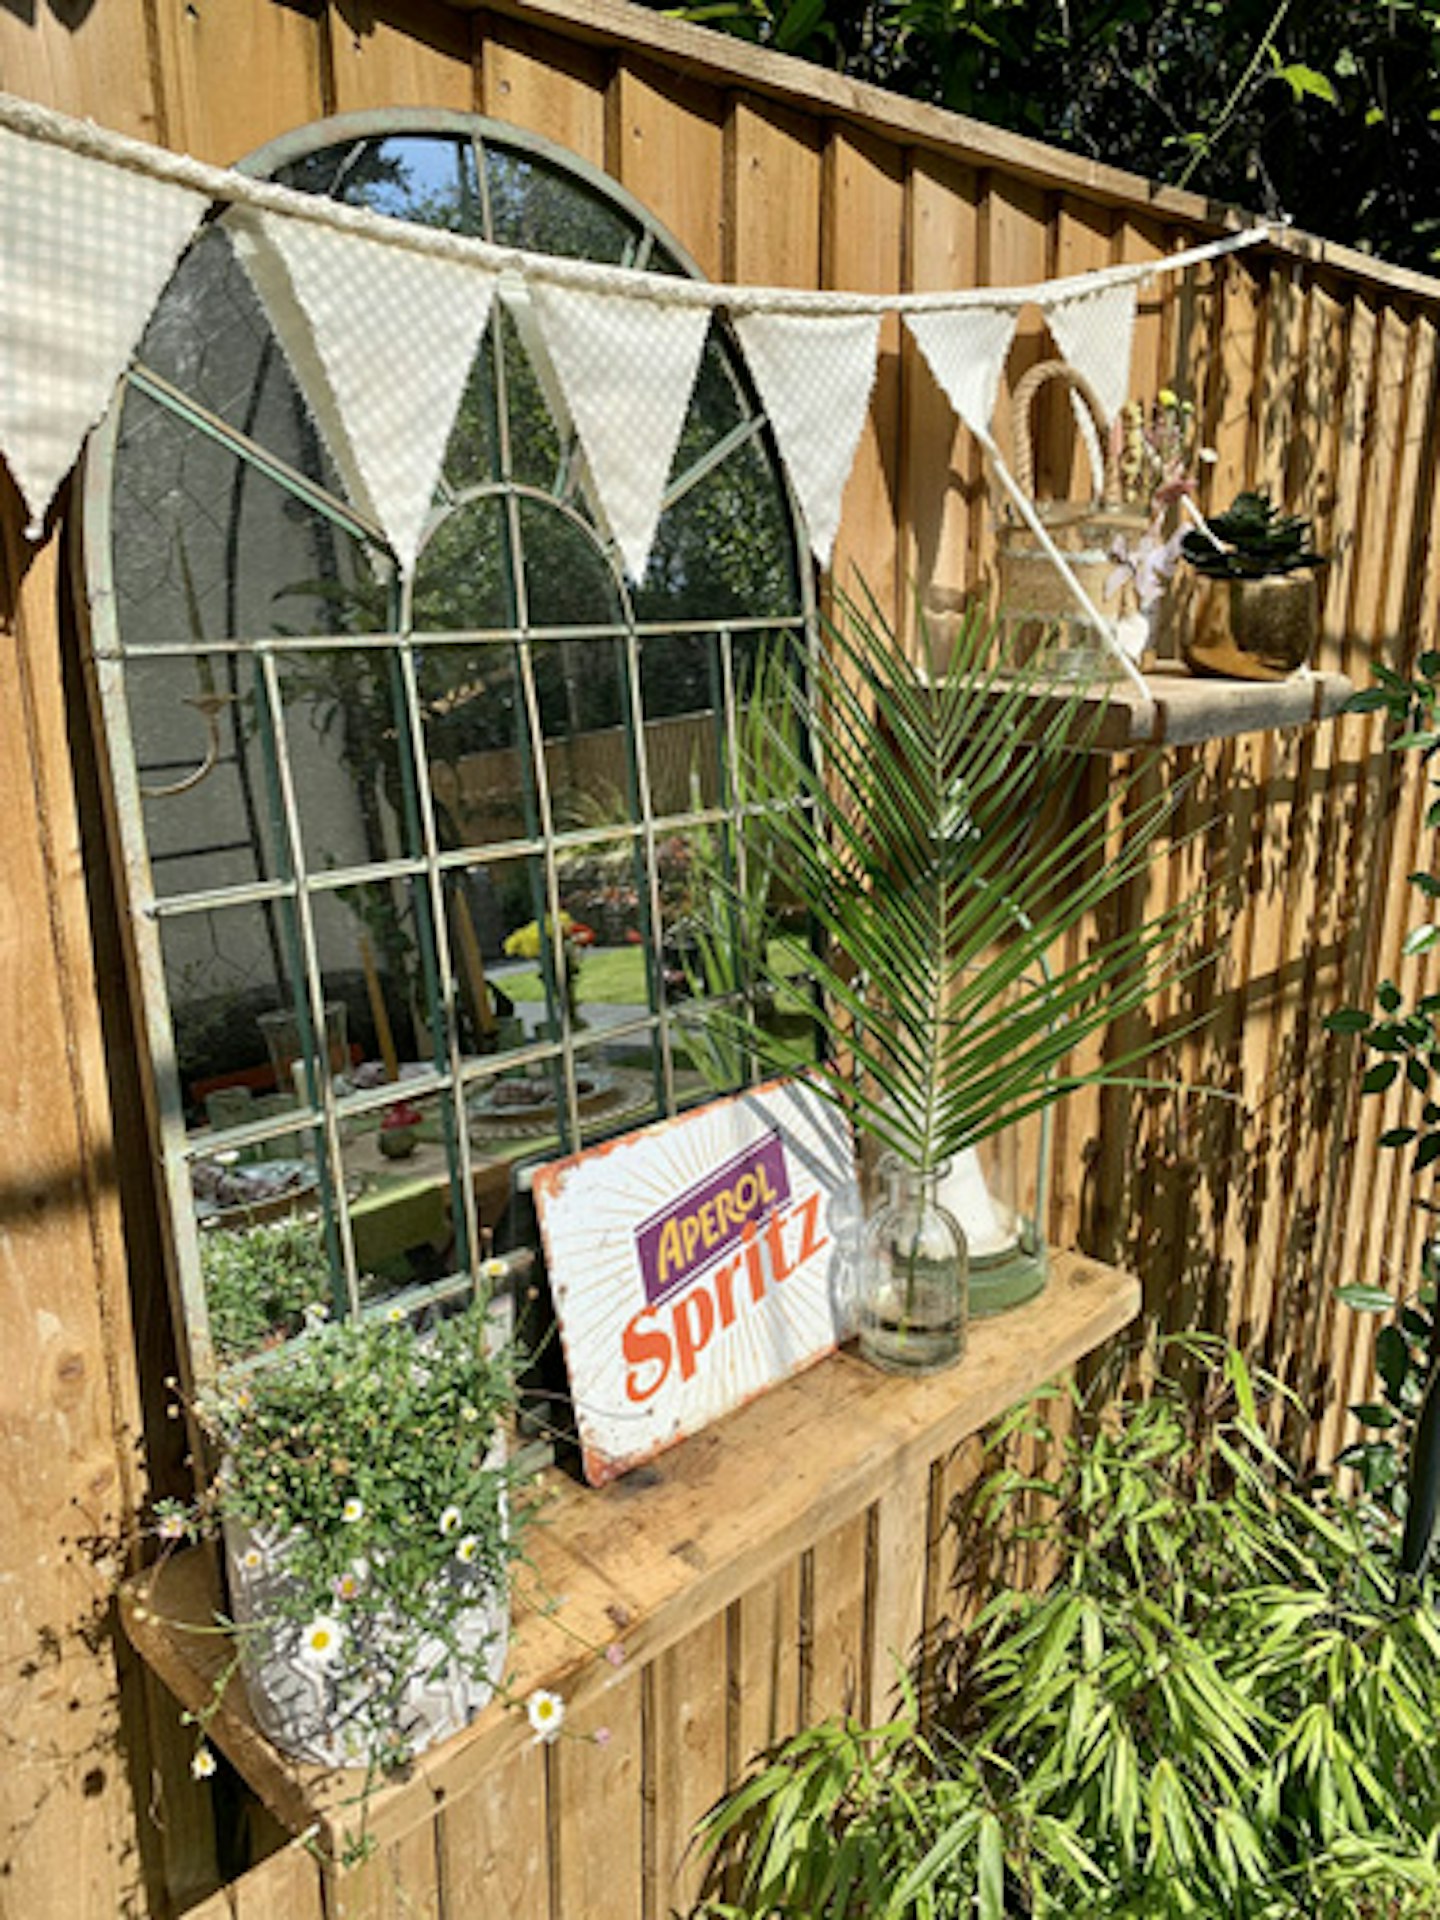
point(1253, 629)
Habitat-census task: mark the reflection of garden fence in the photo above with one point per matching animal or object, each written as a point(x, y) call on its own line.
point(589, 776)
point(1315, 373)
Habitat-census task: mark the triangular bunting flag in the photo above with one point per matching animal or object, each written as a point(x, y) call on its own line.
point(85, 250)
point(395, 333)
point(628, 368)
point(1094, 331)
point(814, 376)
point(966, 349)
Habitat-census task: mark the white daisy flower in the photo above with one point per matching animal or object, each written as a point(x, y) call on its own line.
point(395, 1315)
point(450, 1520)
point(347, 1584)
point(353, 1510)
point(546, 1712)
point(321, 1641)
point(252, 1559)
point(316, 1314)
point(203, 1765)
point(467, 1549)
point(171, 1526)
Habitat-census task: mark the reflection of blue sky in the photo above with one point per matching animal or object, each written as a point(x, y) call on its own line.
point(430, 176)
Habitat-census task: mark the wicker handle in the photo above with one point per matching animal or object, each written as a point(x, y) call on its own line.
point(1022, 407)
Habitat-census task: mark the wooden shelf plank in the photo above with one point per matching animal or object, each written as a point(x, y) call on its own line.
point(656, 1554)
point(1190, 709)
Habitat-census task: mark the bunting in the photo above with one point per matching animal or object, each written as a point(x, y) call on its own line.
point(1095, 331)
point(382, 322)
point(627, 369)
point(393, 335)
point(966, 349)
point(84, 253)
point(814, 378)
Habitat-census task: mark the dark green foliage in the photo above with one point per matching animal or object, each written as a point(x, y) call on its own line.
point(1225, 1704)
point(1330, 113)
point(1259, 541)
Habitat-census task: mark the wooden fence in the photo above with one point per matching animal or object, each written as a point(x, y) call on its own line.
point(1315, 371)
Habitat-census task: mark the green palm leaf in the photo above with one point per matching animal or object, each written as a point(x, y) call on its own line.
point(929, 823)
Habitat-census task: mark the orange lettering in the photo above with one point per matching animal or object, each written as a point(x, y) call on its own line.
point(811, 1241)
point(691, 1340)
point(725, 1278)
point(644, 1347)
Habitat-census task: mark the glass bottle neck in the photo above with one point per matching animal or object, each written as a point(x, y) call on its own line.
point(906, 1184)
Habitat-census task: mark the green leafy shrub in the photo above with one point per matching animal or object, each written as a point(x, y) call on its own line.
point(1225, 1704)
point(367, 1465)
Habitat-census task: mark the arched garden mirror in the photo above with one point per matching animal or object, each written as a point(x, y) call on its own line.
point(419, 877)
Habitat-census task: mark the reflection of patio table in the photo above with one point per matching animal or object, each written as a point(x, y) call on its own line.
point(407, 1203)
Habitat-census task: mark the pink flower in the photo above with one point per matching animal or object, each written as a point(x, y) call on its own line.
point(615, 1654)
point(601, 1736)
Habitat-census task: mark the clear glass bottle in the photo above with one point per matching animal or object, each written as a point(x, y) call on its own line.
point(914, 1275)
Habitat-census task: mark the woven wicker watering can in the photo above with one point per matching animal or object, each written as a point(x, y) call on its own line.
point(1038, 606)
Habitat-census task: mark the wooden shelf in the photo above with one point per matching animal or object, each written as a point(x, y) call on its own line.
point(643, 1561)
point(1190, 709)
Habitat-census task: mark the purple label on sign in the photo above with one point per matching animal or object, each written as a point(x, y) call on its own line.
point(692, 1232)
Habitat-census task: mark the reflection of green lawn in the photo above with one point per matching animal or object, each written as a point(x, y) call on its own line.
point(609, 976)
point(613, 976)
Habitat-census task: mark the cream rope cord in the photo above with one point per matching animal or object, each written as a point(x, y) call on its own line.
point(83, 137)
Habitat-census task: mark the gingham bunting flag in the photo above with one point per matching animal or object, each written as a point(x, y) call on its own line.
point(392, 335)
point(814, 377)
point(84, 252)
point(1094, 332)
point(966, 350)
point(627, 368)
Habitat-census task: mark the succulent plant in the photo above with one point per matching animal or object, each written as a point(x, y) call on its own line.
point(1256, 540)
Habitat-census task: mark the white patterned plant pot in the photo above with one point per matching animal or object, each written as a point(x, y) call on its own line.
point(314, 1711)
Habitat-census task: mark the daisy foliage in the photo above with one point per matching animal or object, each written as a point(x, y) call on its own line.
point(356, 1461)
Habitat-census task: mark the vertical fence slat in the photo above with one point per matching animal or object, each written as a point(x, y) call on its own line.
point(899, 1544)
point(69, 1400)
point(942, 477)
point(399, 1882)
point(765, 1665)
point(1371, 917)
point(835, 1660)
point(202, 50)
point(667, 145)
point(378, 60)
point(597, 1811)
point(1397, 643)
point(862, 247)
point(550, 85)
point(495, 1844)
point(95, 64)
point(690, 1763)
point(772, 195)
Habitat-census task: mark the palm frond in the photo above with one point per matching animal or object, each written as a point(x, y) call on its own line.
point(926, 820)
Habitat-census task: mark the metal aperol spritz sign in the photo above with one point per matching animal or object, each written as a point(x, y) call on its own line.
point(696, 1262)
